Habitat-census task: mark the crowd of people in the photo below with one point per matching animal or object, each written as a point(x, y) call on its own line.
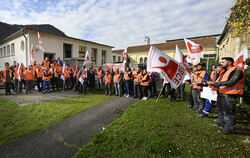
point(226, 79)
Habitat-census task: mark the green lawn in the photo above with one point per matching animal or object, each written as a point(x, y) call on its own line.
point(165, 129)
point(16, 121)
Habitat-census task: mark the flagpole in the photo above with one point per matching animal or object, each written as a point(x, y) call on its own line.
point(159, 94)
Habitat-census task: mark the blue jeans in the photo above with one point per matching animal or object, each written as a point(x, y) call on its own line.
point(117, 89)
point(46, 83)
point(99, 83)
point(128, 86)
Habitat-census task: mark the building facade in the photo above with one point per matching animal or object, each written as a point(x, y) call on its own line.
point(138, 54)
point(17, 47)
point(229, 46)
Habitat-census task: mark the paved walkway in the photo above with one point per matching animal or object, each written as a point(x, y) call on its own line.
point(37, 97)
point(63, 139)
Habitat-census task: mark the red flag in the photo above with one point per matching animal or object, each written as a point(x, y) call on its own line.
point(241, 58)
point(195, 50)
point(86, 59)
point(124, 56)
point(32, 54)
point(162, 63)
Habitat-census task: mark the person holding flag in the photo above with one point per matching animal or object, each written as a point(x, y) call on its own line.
point(146, 80)
point(230, 86)
point(200, 79)
point(83, 80)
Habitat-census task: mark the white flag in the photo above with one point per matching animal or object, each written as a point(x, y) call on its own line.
point(19, 73)
point(125, 53)
point(162, 63)
point(83, 76)
point(195, 50)
point(63, 73)
point(32, 55)
point(86, 59)
point(181, 59)
point(40, 42)
point(241, 58)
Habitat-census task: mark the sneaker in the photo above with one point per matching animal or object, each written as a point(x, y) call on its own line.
point(224, 131)
point(201, 116)
point(146, 98)
point(127, 96)
point(215, 125)
point(143, 98)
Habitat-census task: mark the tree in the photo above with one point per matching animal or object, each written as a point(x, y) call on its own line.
point(239, 18)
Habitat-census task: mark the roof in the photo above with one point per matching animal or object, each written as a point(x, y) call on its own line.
point(7, 30)
point(206, 41)
point(120, 51)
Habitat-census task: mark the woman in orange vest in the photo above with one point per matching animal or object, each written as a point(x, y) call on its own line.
point(230, 86)
point(108, 80)
point(29, 77)
point(117, 80)
point(67, 78)
point(39, 76)
point(145, 84)
point(128, 78)
point(7, 78)
point(46, 79)
point(137, 75)
point(99, 77)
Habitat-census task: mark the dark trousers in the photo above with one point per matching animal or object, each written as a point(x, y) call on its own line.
point(181, 91)
point(153, 88)
point(28, 85)
point(170, 91)
point(128, 86)
point(226, 111)
point(191, 101)
point(7, 86)
point(137, 88)
point(39, 84)
point(107, 89)
point(145, 91)
point(92, 82)
point(54, 83)
point(82, 87)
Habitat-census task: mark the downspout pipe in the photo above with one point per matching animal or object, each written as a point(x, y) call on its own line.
point(26, 47)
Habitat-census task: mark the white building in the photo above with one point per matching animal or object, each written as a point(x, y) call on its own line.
point(15, 45)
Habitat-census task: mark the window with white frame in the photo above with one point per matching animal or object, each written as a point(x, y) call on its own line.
point(8, 50)
point(1, 52)
point(12, 49)
point(4, 51)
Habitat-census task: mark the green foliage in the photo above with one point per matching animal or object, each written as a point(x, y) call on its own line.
point(16, 121)
point(239, 18)
point(165, 129)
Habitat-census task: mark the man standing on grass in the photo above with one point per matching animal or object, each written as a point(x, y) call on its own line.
point(29, 77)
point(99, 76)
point(230, 86)
point(46, 80)
point(7, 78)
point(108, 80)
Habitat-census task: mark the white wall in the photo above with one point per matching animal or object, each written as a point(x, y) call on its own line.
point(19, 55)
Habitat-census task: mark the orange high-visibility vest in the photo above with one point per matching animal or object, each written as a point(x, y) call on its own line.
point(237, 88)
point(39, 73)
point(99, 74)
point(126, 75)
point(16, 73)
point(4, 75)
point(29, 75)
point(212, 76)
point(145, 83)
point(107, 78)
point(60, 68)
point(55, 72)
point(46, 78)
point(200, 78)
point(46, 63)
point(117, 77)
point(67, 73)
point(137, 78)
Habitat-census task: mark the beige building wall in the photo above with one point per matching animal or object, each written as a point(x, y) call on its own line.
point(137, 55)
point(230, 46)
